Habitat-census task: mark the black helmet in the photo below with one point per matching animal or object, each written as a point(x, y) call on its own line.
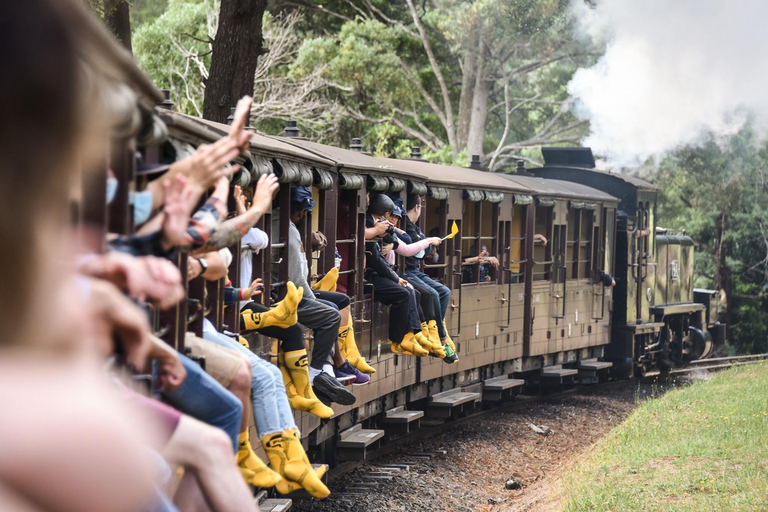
point(380, 204)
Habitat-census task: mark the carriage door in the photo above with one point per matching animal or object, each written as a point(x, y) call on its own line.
point(559, 278)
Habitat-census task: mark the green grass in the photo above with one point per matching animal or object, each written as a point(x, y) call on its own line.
point(702, 447)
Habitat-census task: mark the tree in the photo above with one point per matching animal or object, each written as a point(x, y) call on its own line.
point(116, 15)
point(236, 49)
point(521, 48)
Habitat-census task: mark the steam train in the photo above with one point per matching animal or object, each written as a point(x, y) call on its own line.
point(544, 316)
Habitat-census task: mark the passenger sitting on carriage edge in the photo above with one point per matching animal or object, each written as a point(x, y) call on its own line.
point(388, 287)
point(429, 299)
point(322, 319)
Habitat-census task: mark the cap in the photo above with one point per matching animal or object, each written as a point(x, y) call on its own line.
point(301, 199)
point(398, 212)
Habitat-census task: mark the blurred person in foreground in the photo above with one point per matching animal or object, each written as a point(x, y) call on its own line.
point(67, 442)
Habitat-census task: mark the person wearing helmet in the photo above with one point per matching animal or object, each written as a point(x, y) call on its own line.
point(388, 287)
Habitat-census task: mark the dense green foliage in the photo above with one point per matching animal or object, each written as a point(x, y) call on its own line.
point(702, 447)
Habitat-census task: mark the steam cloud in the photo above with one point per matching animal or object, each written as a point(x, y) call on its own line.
point(671, 70)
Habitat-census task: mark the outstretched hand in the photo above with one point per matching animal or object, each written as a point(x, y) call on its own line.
point(178, 206)
point(265, 189)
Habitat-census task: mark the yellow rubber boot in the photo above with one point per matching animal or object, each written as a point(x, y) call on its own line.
point(448, 339)
point(287, 457)
point(298, 402)
point(423, 340)
point(295, 364)
point(409, 346)
point(432, 329)
point(328, 282)
point(288, 486)
point(349, 350)
point(282, 315)
point(247, 460)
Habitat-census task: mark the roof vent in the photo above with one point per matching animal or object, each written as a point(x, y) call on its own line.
point(291, 130)
point(415, 153)
point(231, 116)
point(356, 145)
point(520, 169)
point(568, 157)
point(475, 163)
point(167, 104)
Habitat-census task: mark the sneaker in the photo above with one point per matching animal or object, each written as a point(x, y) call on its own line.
point(344, 377)
point(450, 355)
point(360, 377)
point(333, 389)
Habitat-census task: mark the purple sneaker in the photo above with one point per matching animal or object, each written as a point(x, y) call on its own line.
point(360, 377)
point(343, 377)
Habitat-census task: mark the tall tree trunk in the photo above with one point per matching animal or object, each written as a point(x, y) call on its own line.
point(236, 50)
point(479, 107)
point(117, 16)
point(467, 92)
point(723, 278)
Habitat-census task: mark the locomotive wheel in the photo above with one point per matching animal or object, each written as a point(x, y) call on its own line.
point(698, 344)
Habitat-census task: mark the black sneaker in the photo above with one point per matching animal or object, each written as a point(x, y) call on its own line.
point(333, 389)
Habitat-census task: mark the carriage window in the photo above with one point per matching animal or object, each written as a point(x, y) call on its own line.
point(542, 254)
point(516, 244)
point(585, 243)
point(346, 234)
point(435, 223)
point(489, 226)
point(470, 243)
point(572, 244)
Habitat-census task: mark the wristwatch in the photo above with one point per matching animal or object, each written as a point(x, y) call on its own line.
point(203, 265)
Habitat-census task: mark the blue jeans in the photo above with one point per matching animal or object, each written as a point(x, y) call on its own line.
point(201, 397)
point(271, 410)
point(441, 295)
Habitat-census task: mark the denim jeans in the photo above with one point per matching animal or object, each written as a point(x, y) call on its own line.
point(441, 296)
point(204, 399)
point(271, 410)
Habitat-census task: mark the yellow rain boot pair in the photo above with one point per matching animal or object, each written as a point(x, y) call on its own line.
point(287, 457)
point(282, 315)
point(328, 282)
point(301, 396)
point(349, 350)
point(252, 467)
point(409, 346)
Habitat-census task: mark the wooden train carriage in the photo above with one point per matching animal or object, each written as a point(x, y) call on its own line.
point(511, 319)
point(570, 307)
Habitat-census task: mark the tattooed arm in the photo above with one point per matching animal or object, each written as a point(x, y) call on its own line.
point(228, 233)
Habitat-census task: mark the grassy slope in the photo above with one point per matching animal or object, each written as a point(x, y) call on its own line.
point(702, 447)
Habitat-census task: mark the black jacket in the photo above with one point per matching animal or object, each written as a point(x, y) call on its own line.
point(416, 234)
point(374, 261)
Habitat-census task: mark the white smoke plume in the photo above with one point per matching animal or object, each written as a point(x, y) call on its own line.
point(672, 69)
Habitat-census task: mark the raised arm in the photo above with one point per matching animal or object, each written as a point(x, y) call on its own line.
point(229, 232)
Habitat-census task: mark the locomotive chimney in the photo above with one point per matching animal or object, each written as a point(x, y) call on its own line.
point(291, 130)
point(167, 104)
point(356, 145)
point(415, 153)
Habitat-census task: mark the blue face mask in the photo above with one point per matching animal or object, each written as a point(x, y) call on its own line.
point(142, 206)
point(419, 255)
point(111, 189)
